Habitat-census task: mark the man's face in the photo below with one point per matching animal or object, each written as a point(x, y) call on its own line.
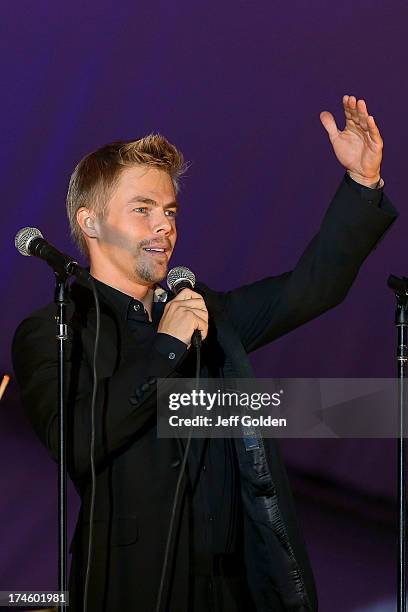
point(138, 232)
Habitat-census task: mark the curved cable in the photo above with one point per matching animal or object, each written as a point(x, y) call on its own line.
point(92, 451)
point(177, 490)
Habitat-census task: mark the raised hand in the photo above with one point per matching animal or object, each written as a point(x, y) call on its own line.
point(359, 146)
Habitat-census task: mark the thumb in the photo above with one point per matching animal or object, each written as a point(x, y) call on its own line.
point(329, 124)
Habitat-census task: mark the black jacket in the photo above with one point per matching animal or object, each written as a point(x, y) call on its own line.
point(136, 472)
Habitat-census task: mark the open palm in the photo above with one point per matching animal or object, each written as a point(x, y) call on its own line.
point(359, 146)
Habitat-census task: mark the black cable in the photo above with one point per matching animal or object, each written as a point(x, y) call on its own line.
point(92, 452)
point(197, 346)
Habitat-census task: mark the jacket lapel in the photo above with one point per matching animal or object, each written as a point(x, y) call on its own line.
point(237, 364)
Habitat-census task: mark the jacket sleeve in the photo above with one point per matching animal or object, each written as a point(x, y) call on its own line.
point(267, 309)
point(125, 401)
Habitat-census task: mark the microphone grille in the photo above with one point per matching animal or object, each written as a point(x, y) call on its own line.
point(24, 237)
point(178, 274)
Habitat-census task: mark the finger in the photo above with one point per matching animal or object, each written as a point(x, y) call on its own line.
point(190, 303)
point(374, 131)
point(185, 305)
point(346, 105)
point(199, 312)
point(186, 294)
point(329, 124)
point(361, 107)
point(200, 322)
point(202, 326)
point(352, 109)
point(352, 103)
point(347, 111)
point(362, 114)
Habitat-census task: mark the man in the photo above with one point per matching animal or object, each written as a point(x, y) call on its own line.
point(237, 544)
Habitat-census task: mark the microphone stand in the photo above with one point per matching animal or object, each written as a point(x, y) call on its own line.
point(29, 241)
point(61, 336)
point(400, 288)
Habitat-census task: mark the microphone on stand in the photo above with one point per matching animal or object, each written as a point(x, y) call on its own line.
point(180, 278)
point(29, 241)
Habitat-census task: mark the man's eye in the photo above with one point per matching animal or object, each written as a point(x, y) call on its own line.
point(141, 209)
point(171, 213)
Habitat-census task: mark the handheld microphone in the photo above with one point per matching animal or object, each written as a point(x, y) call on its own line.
point(29, 241)
point(180, 278)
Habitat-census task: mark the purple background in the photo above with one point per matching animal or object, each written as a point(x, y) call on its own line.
point(238, 86)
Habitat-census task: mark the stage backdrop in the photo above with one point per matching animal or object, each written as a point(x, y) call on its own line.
point(238, 86)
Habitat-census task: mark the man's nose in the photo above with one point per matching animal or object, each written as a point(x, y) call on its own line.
point(161, 222)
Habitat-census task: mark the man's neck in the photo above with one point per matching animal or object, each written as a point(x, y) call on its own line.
point(143, 293)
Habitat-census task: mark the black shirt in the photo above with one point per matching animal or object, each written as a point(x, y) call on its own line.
point(215, 499)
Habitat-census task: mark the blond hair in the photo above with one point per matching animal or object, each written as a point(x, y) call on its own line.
point(96, 175)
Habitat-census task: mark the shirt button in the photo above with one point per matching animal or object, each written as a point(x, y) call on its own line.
point(172, 355)
point(136, 307)
point(204, 468)
point(210, 518)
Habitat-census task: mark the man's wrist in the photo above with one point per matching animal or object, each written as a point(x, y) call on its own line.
point(374, 182)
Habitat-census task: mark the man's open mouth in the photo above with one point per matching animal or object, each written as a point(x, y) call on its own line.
point(155, 250)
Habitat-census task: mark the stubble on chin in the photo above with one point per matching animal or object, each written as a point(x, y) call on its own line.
point(150, 274)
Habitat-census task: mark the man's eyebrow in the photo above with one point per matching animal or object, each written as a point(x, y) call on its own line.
point(145, 200)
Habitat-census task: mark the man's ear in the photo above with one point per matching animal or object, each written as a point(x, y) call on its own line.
point(86, 219)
